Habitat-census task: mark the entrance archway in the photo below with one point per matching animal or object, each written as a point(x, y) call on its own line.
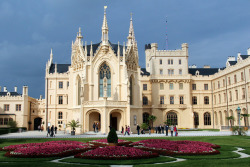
point(94, 117)
point(115, 120)
point(37, 122)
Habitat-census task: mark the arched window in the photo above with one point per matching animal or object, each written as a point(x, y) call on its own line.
point(60, 115)
point(207, 119)
point(145, 100)
point(145, 117)
point(104, 72)
point(79, 91)
point(131, 90)
point(172, 118)
point(196, 119)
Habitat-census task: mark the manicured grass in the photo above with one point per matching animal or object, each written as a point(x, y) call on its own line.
point(227, 143)
point(119, 162)
point(247, 150)
point(205, 163)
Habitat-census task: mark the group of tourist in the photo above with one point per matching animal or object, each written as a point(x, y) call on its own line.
point(127, 130)
point(158, 129)
point(96, 127)
point(51, 131)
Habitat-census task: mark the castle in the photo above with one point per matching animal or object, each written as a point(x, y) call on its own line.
point(104, 84)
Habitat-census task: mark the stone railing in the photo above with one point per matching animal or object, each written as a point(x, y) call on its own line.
point(173, 106)
point(102, 103)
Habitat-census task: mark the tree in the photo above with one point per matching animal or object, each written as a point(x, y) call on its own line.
point(144, 126)
point(151, 119)
point(112, 136)
point(73, 124)
point(12, 124)
point(238, 130)
point(245, 118)
point(230, 119)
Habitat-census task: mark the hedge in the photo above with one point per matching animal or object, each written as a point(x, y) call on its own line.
point(4, 131)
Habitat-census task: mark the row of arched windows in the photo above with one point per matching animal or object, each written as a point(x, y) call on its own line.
point(172, 118)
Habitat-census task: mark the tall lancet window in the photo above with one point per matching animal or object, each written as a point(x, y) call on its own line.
point(131, 90)
point(104, 73)
point(79, 91)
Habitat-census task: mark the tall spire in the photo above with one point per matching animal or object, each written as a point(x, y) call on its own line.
point(51, 54)
point(79, 35)
point(105, 28)
point(131, 34)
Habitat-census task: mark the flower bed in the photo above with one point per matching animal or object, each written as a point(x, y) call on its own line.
point(104, 142)
point(167, 147)
point(17, 146)
point(46, 149)
point(116, 153)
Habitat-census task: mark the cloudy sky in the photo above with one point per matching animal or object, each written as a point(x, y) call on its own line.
point(214, 30)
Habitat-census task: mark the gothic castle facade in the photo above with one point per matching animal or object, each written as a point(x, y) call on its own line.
point(104, 83)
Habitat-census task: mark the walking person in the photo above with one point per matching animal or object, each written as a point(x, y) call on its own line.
point(94, 126)
point(175, 131)
point(159, 129)
point(166, 127)
point(138, 129)
point(48, 131)
point(56, 130)
point(128, 130)
point(52, 131)
point(122, 130)
point(149, 129)
point(97, 127)
point(156, 129)
point(162, 129)
point(171, 129)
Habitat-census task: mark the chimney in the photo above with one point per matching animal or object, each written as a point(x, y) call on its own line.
point(4, 89)
point(248, 51)
point(15, 89)
point(0, 89)
point(41, 97)
point(25, 90)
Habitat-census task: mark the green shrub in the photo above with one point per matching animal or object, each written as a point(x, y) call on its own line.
point(112, 136)
point(13, 130)
point(4, 131)
point(238, 130)
point(12, 124)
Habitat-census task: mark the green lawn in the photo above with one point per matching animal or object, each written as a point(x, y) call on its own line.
point(227, 143)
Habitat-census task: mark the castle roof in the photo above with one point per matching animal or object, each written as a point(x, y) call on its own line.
point(232, 63)
point(61, 68)
point(203, 71)
point(244, 56)
point(113, 46)
point(11, 94)
point(144, 72)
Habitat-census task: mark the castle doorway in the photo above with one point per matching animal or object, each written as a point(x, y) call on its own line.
point(37, 122)
point(115, 120)
point(94, 118)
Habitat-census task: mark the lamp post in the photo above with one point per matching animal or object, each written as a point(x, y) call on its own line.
point(238, 111)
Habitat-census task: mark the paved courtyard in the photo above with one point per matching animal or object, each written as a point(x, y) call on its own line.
point(60, 134)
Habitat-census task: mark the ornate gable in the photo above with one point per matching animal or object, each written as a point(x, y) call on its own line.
point(131, 59)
